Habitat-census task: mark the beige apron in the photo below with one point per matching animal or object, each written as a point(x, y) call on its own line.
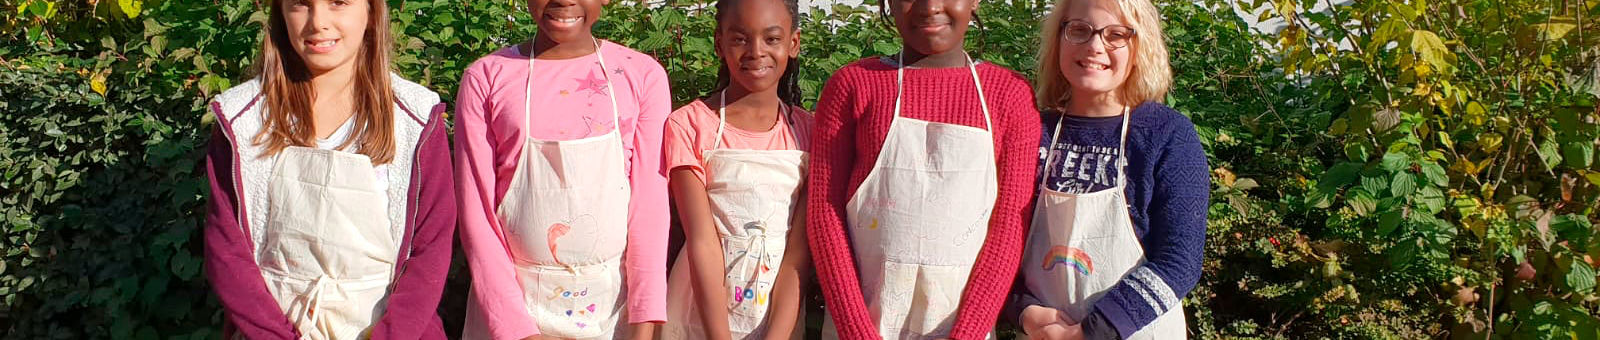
point(565, 217)
point(919, 218)
point(1081, 245)
point(330, 252)
point(753, 195)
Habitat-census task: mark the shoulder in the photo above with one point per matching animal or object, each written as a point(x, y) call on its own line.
point(1160, 118)
point(232, 101)
point(800, 115)
point(688, 115)
point(492, 62)
point(415, 99)
point(1005, 76)
point(630, 59)
point(862, 68)
point(1008, 84)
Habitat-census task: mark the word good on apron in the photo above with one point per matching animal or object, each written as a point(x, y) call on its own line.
point(1081, 245)
point(753, 195)
point(919, 218)
point(566, 226)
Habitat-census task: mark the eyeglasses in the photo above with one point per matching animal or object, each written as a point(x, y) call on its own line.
point(1079, 32)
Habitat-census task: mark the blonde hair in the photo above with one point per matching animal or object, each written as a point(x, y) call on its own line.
point(1149, 77)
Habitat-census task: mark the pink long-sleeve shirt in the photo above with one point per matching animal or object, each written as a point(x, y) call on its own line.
point(569, 101)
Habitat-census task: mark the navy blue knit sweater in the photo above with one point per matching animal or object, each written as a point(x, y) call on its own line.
point(1168, 188)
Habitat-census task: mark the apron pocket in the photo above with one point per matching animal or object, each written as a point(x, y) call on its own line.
point(918, 299)
point(574, 304)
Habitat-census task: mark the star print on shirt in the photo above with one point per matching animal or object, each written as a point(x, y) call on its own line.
point(591, 83)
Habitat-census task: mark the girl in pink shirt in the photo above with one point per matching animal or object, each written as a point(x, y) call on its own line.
point(738, 168)
point(561, 186)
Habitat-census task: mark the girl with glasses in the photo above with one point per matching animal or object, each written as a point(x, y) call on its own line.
point(1119, 220)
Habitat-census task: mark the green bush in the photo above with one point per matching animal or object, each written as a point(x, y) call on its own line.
point(1391, 188)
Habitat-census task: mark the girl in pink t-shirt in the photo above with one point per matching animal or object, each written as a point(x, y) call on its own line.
point(738, 168)
point(562, 192)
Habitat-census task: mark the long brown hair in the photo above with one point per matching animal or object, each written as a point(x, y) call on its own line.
point(286, 83)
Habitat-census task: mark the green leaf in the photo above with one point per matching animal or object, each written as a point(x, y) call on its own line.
point(1375, 184)
point(1430, 199)
point(1358, 151)
point(1395, 161)
point(1340, 175)
point(212, 83)
point(1549, 153)
point(1573, 227)
point(1580, 277)
point(1362, 204)
point(1579, 154)
point(1403, 252)
point(1435, 174)
point(1389, 221)
point(885, 47)
point(1402, 184)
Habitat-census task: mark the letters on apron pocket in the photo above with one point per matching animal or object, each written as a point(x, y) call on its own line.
point(749, 277)
point(573, 303)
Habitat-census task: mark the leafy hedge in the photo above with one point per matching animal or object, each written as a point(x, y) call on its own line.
point(1382, 169)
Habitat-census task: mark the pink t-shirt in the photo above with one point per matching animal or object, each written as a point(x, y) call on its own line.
point(691, 128)
point(569, 101)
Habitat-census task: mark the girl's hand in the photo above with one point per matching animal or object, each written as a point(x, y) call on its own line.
point(1040, 322)
point(1058, 331)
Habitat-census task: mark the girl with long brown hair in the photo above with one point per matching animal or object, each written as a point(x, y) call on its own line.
point(331, 209)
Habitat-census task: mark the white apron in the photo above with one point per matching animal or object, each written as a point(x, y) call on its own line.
point(330, 252)
point(1081, 245)
point(919, 218)
point(753, 195)
point(565, 217)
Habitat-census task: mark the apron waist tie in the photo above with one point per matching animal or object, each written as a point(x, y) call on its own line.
point(314, 301)
point(742, 260)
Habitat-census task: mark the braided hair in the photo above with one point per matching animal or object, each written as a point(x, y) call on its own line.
point(789, 83)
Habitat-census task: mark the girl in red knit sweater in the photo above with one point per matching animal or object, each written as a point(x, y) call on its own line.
point(921, 176)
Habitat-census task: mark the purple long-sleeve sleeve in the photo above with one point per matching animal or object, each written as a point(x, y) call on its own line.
point(230, 266)
point(411, 311)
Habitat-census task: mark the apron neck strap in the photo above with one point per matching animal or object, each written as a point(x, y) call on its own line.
point(722, 118)
point(900, 88)
point(611, 91)
point(1122, 149)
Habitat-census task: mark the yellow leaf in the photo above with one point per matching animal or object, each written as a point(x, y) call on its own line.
point(1553, 31)
point(1427, 46)
point(1225, 177)
point(98, 83)
point(1476, 113)
point(131, 7)
point(1490, 142)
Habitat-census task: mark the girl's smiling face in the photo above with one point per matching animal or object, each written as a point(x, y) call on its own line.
point(756, 40)
point(564, 21)
point(326, 34)
point(1096, 66)
point(932, 26)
